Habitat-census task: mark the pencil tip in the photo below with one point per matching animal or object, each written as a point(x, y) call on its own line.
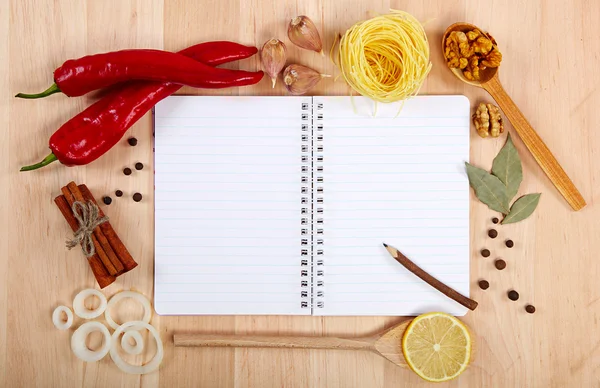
point(385, 245)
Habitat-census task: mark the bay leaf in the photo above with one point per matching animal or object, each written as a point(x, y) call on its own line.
point(488, 188)
point(522, 208)
point(507, 167)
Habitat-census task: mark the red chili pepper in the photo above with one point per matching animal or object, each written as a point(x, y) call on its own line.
point(97, 129)
point(77, 77)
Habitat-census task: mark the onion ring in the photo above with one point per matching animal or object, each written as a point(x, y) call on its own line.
point(84, 312)
point(80, 348)
point(128, 294)
point(136, 369)
point(58, 322)
point(139, 342)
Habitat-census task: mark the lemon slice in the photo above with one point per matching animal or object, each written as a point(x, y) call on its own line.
point(437, 346)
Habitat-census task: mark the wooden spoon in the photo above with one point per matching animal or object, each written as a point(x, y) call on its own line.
point(491, 83)
point(387, 344)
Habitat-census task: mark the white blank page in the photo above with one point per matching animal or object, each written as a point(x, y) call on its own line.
point(227, 208)
point(398, 180)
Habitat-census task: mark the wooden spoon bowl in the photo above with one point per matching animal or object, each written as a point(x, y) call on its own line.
point(541, 153)
point(387, 343)
point(485, 75)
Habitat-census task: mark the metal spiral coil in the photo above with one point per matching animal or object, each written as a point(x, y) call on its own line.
point(318, 209)
point(306, 209)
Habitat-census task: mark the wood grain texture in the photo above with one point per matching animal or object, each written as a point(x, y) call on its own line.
point(539, 150)
point(550, 70)
point(386, 343)
point(256, 341)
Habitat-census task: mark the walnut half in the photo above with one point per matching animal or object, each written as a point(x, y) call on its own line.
point(488, 121)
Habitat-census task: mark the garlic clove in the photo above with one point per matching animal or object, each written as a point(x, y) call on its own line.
point(300, 79)
point(303, 33)
point(273, 56)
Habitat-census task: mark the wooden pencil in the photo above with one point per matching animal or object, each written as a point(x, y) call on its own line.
point(427, 278)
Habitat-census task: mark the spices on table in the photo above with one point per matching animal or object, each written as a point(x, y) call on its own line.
point(273, 55)
point(108, 256)
point(119, 193)
point(484, 284)
point(495, 220)
point(485, 253)
point(513, 295)
point(493, 233)
point(127, 171)
point(77, 77)
point(132, 141)
point(487, 120)
point(98, 128)
point(530, 309)
point(300, 79)
point(107, 200)
point(472, 52)
point(139, 166)
point(497, 189)
point(303, 33)
point(137, 197)
point(500, 264)
point(510, 243)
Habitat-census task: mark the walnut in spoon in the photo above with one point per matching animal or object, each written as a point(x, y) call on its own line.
point(485, 75)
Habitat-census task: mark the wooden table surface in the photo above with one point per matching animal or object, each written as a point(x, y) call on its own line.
point(550, 68)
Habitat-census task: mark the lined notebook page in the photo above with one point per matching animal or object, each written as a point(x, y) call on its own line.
point(398, 180)
point(227, 210)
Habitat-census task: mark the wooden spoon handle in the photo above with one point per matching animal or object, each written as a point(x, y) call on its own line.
point(218, 340)
point(536, 146)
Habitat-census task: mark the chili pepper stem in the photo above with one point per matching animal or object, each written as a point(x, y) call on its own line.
point(47, 160)
point(51, 90)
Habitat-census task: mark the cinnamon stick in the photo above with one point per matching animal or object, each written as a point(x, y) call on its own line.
point(112, 256)
point(113, 239)
point(114, 259)
point(100, 273)
point(108, 264)
point(433, 282)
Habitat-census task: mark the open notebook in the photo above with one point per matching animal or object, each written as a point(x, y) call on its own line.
point(280, 205)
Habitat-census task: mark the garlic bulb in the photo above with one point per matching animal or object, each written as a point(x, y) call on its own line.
point(273, 56)
point(300, 79)
point(303, 33)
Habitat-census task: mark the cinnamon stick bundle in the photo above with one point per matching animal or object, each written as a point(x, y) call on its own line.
point(111, 257)
point(100, 273)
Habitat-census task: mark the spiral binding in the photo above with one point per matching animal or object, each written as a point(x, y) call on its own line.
point(305, 210)
point(312, 211)
point(318, 210)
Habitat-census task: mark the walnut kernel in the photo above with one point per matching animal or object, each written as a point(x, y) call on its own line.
point(471, 52)
point(488, 121)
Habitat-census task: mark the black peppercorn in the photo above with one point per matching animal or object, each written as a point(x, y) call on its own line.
point(530, 309)
point(493, 233)
point(132, 141)
point(127, 171)
point(137, 197)
point(495, 220)
point(484, 284)
point(485, 252)
point(513, 295)
point(107, 200)
point(510, 243)
point(139, 166)
point(500, 264)
point(119, 193)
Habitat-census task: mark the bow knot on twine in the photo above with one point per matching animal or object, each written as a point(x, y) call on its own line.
point(87, 216)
